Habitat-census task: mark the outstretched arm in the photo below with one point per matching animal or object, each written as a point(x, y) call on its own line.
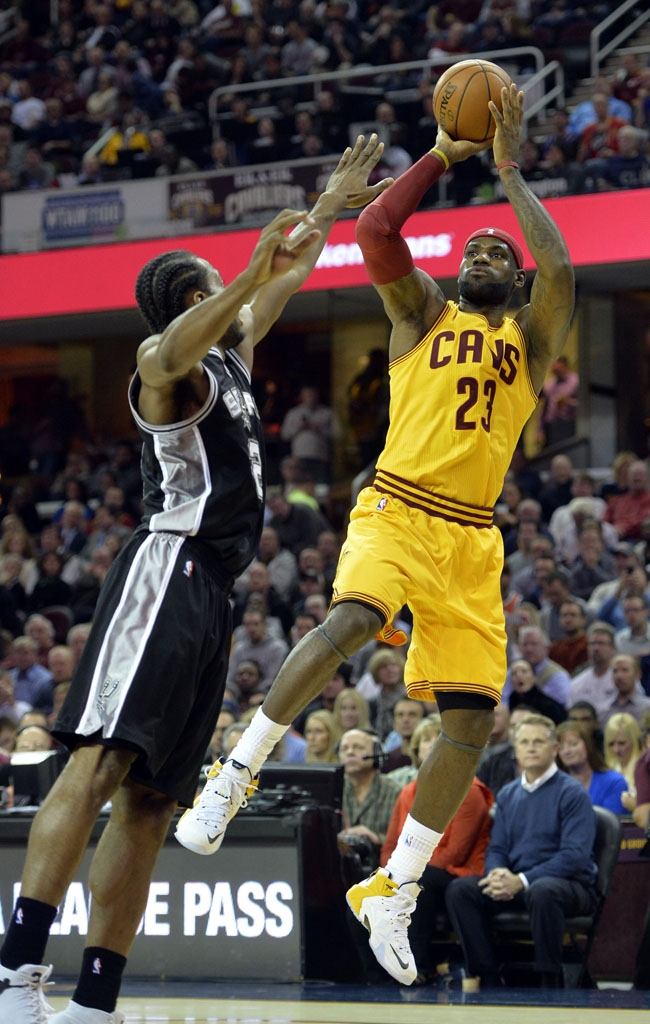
point(165, 358)
point(546, 321)
point(347, 186)
point(411, 298)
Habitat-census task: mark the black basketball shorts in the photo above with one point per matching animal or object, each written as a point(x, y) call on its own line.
point(152, 674)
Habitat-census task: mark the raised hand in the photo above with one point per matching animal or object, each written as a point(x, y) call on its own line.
point(458, 149)
point(350, 179)
point(274, 253)
point(510, 123)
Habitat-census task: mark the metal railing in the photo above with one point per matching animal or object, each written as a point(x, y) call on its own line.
point(597, 52)
point(326, 78)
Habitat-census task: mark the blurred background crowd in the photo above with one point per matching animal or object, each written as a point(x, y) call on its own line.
point(94, 91)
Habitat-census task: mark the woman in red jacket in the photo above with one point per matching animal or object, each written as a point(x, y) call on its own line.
point(461, 851)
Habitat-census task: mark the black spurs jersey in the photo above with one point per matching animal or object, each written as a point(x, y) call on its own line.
point(204, 477)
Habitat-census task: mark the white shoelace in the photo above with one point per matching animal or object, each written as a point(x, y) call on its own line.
point(213, 807)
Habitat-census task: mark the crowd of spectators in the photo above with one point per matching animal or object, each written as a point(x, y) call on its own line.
point(145, 70)
point(577, 617)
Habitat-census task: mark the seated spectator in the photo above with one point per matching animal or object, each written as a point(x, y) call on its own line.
point(595, 683)
point(59, 694)
point(300, 55)
point(102, 104)
point(351, 710)
point(557, 490)
point(538, 859)
point(585, 113)
point(76, 640)
point(103, 526)
point(634, 637)
point(368, 796)
point(91, 172)
point(296, 525)
point(555, 591)
point(579, 756)
point(627, 511)
point(525, 691)
point(50, 588)
point(32, 682)
point(56, 137)
point(641, 779)
point(634, 582)
point(303, 623)
point(530, 582)
point(267, 651)
point(35, 171)
point(599, 140)
point(60, 662)
point(629, 578)
point(498, 764)
point(629, 167)
point(563, 174)
point(259, 582)
point(593, 565)
point(322, 736)
point(130, 137)
point(383, 684)
point(585, 713)
point(528, 510)
point(265, 147)
point(618, 484)
point(626, 673)
point(550, 678)
point(623, 747)
point(222, 156)
point(73, 527)
point(522, 557)
point(570, 651)
point(17, 541)
point(567, 521)
point(32, 738)
point(460, 852)
point(84, 594)
point(407, 715)
point(41, 630)
point(560, 134)
point(174, 162)
point(246, 680)
point(10, 708)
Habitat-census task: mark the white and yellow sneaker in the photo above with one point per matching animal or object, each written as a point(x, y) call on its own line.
point(202, 828)
point(385, 909)
point(22, 996)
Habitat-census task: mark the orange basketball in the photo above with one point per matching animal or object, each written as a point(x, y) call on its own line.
point(461, 96)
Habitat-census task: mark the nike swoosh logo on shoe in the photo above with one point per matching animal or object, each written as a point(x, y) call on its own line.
point(213, 839)
point(403, 965)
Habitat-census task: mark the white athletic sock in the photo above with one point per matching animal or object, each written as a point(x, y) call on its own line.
point(413, 852)
point(258, 741)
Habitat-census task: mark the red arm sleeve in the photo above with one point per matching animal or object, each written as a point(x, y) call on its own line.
point(385, 253)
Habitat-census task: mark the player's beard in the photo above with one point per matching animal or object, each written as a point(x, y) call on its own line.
point(233, 336)
point(483, 292)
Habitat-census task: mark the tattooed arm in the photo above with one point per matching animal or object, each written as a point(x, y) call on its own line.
point(545, 322)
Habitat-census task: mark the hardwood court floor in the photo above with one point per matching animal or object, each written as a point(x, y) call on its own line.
point(175, 1003)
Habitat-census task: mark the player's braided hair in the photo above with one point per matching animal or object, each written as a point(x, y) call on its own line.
point(162, 284)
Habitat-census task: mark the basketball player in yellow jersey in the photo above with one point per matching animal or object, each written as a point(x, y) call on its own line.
point(464, 380)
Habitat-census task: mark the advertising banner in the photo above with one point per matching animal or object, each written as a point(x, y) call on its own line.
point(598, 229)
point(52, 218)
point(247, 194)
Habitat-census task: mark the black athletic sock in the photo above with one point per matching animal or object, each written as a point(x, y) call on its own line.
point(27, 934)
point(100, 979)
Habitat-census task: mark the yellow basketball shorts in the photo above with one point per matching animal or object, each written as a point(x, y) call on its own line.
point(448, 574)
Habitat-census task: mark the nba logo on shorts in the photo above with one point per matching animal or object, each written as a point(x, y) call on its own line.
point(189, 568)
point(381, 504)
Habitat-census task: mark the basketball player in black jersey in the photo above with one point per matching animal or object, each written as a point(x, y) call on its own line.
point(147, 692)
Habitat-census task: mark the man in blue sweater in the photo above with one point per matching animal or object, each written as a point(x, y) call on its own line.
point(539, 857)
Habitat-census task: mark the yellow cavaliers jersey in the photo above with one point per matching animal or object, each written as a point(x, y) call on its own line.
point(459, 401)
